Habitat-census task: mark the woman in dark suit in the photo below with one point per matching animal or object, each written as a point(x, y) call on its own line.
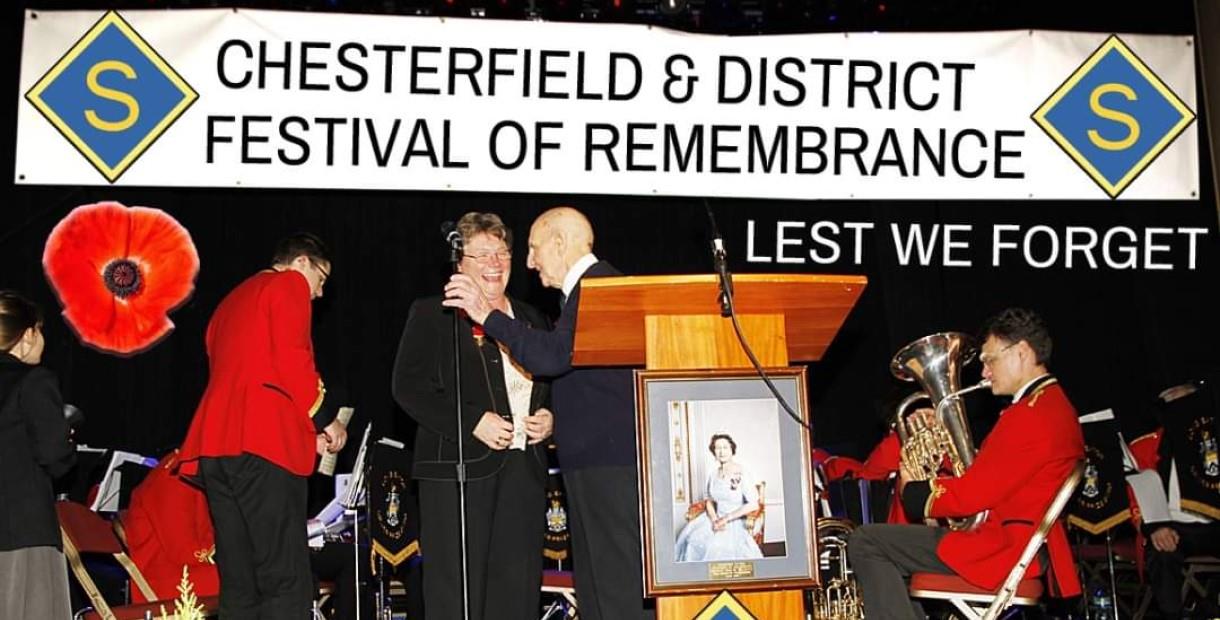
point(504, 422)
point(34, 449)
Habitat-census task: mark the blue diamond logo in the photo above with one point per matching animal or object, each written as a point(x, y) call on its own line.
point(725, 607)
point(1113, 116)
point(111, 95)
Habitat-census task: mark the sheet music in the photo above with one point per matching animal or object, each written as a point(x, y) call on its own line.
point(333, 510)
point(1150, 496)
point(1129, 464)
point(330, 520)
point(107, 499)
point(355, 491)
point(1097, 416)
point(393, 443)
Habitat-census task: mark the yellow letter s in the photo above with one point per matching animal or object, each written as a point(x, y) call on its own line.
point(1133, 126)
point(133, 107)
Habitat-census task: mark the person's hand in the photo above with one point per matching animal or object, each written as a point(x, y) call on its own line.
point(464, 293)
point(905, 475)
point(323, 444)
point(540, 425)
point(494, 431)
point(925, 415)
point(1165, 539)
point(336, 436)
point(719, 524)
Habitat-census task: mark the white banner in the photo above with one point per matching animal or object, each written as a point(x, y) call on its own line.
point(223, 98)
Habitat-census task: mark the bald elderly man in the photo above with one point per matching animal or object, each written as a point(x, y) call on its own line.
point(594, 410)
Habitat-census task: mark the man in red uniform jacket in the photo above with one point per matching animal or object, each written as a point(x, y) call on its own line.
point(253, 438)
point(1019, 467)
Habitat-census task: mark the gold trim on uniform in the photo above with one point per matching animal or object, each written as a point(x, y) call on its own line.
point(317, 404)
point(206, 555)
point(1149, 434)
point(396, 558)
point(1032, 398)
point(1201, 508)
point(1098, 528)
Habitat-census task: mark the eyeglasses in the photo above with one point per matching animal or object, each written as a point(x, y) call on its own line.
point(323, 272)
point(485, 257)
point(989, 358)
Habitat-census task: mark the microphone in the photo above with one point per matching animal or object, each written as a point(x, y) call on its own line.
point(454, 239)
point(720, 263)
point(450, 232)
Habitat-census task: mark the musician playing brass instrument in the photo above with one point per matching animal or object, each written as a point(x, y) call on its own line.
point(1013, 478)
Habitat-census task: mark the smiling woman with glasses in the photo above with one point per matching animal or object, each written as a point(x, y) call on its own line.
point(504, 423)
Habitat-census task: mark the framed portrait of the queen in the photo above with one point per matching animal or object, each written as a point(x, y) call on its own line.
point(727, 496)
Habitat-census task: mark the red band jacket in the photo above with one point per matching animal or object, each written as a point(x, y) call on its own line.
point(263, 388)
point(168, 526)
point(1018, 470)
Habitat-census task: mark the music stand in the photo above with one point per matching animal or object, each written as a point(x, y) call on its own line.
point(354, 496)
point(391, 532)
point(1100, 501)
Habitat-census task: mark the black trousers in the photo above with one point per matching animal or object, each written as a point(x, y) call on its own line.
point(883, 558)
point(506, 518)
point(1165, 568)
point(604, 519)
point(258, 514)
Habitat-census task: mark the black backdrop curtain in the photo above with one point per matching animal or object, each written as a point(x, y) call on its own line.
point(1121, 335)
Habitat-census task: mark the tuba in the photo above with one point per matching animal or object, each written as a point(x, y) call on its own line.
point(936, 362)
point(839, 599)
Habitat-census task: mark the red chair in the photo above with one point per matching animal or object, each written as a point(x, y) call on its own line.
point(86, 532)
point(975, 603)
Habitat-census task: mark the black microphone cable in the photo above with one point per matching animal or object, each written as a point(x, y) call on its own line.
point(720, 258)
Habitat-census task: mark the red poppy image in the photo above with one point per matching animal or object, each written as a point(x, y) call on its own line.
point(118, 272)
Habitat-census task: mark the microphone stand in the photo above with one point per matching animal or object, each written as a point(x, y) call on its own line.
point(720, 261)
point(355, 513)
point(721, 264)
point(456, 250)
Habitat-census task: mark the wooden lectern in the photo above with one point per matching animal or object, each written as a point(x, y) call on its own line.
point(674, 322)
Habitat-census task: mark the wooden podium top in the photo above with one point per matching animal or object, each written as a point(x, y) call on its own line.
point(610, 323)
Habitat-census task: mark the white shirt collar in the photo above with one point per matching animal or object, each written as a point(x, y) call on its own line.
point(1021, 392)
point(574, 274)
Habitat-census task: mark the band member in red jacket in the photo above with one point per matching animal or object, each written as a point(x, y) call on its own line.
point(253, 438)
point(1018, 470)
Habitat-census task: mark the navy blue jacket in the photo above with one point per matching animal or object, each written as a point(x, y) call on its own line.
point(594, 406)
